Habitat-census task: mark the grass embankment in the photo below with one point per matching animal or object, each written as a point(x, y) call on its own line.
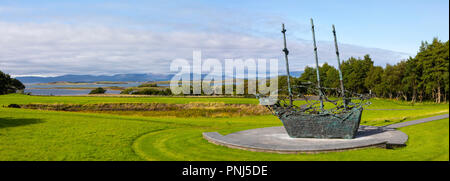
point(27, 134)
point(211, 109)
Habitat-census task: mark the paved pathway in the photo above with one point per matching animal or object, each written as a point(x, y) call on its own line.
point(408, 123)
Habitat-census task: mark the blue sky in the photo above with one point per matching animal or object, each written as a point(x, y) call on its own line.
point(388, 30)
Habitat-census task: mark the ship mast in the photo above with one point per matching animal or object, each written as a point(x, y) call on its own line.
point(286, 52)
point(339, 68)
point(317, 66)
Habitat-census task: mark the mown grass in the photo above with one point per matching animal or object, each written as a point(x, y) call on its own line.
point(55, 135)
point(45, 135)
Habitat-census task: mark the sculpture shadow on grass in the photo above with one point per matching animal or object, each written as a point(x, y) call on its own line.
point(14, 122)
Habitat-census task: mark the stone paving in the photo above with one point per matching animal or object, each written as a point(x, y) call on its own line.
point(275, 139)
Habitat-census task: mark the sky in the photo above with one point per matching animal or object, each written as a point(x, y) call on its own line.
point(49, 38)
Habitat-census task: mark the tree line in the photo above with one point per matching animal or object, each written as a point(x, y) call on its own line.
point(422, 77)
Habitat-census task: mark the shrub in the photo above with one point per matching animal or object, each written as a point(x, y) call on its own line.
point(148, 85)
point(127, 91)
point(98, 91)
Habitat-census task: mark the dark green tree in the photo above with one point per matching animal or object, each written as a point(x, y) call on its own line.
point(354, 71)
point(434, 59)
point(374, 82)
point(329, 78)
point(9, 85)
point(411, 78)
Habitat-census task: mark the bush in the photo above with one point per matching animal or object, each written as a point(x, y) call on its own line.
point(98, 91)
point(14, 106)
point(153, 92)
point(127, 91)
point(148, 85)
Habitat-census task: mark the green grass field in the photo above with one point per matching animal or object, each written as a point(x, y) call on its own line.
point(56, 135)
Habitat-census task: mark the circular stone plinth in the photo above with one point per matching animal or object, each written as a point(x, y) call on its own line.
point(275, 139)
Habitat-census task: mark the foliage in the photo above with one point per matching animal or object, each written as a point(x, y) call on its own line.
point(374, 80)
point(127, 91)
point(9, 85)
point(148, 85)
point(354, 71)
point(434, 61)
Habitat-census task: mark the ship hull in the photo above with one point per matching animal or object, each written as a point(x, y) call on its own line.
point(299, 125)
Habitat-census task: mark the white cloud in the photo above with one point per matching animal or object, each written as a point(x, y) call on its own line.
point(56, 49)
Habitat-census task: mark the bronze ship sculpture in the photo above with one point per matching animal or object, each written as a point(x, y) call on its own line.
point(312, 120)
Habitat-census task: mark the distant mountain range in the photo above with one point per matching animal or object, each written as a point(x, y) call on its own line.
point(94, 78)
point(117, 77)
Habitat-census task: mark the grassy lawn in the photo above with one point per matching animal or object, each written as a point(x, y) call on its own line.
point(55, 135)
